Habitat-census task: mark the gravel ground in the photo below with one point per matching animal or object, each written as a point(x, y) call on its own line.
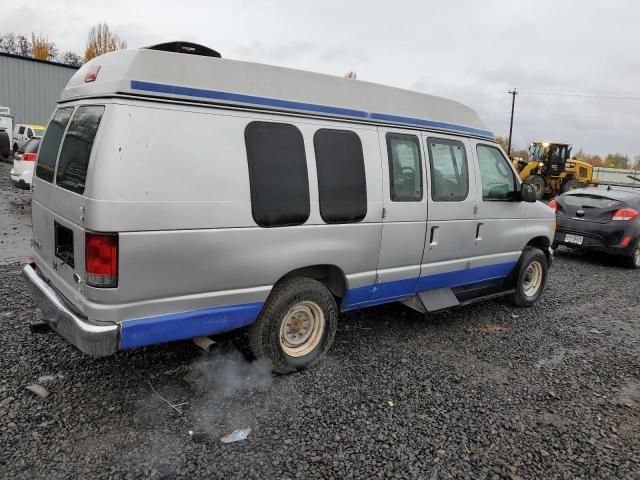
point(485, 391)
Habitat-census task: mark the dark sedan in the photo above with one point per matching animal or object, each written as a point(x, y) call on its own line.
point(603, 219)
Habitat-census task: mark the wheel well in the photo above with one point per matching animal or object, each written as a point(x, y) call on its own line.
point(542, 243)
point(330, 275)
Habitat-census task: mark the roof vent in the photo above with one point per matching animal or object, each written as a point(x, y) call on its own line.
point(186, 47)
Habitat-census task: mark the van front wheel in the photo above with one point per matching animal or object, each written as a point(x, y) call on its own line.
point(531, 277)
point(297, 325)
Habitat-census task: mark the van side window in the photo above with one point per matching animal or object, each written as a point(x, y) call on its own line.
point(341, 177)
point(449, 171)
point(496, 175)
point(76, 148)
point(277, 174)
point(405, 167)
point(51, 144)
point(20, 130)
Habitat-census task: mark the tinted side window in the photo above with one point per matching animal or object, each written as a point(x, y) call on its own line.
point(20, 130)
point(341, 178)
point(449, 171)
point(277, 174)
point(76, 148)
point(405, 167)
point(51, 144)
point(498, 181)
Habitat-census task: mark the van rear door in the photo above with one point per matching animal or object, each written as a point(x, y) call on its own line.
point(58, 198)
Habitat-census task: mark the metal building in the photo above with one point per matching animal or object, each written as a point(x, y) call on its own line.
point(31, 87)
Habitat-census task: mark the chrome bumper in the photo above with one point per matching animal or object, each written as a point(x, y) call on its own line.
point(95, 340)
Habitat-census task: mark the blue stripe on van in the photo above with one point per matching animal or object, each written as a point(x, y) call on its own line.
point(241, 98)
point(293, 105)
point(180, 326)
point(430, 124)
point(401, 289)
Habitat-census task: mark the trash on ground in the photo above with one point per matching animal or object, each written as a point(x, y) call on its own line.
point(38, 390)
point(236, 436)
point(199, 436)
point(172, 405)
point(595, 330)
point(390, 403)
point(46, 378)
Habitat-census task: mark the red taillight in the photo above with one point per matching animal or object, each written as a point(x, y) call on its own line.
point(625, 241)
point(29, 157)
point(553, 205)
point(625, 214)
point(92, 74)
point(101, 259)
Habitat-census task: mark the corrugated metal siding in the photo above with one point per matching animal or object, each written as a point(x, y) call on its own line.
point(31, 89)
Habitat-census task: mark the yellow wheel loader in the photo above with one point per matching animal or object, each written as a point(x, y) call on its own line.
point(551, 170)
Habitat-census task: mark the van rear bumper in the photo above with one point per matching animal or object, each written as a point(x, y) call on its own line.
point(92, 339)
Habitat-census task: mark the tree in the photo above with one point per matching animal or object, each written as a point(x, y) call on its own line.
point(636, 162)
point(502, 141)
point(15, 44)
point(71, 58)
point(616, 160)
point(42, 48)
point(102, 40)
point(596, 160)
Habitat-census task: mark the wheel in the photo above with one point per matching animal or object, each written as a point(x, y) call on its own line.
point(569, 185)
point(633, 260)
point(538, 183)
point(297, 325)
point(531, 277)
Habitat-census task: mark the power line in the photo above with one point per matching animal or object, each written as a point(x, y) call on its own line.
point(611, 96)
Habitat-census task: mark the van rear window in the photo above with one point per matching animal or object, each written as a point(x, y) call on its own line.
point(51, 144)
point(277, 174)
point(76, 148)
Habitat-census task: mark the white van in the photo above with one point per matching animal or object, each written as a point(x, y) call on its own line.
point(308, 195)
point(22, 133)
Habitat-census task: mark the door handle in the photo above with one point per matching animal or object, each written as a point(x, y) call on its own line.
point(433, 238)
point(479, 231)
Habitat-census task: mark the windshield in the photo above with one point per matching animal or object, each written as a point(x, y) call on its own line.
point(590, 201)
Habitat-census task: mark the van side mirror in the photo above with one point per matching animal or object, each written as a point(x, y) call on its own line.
point(527, 193)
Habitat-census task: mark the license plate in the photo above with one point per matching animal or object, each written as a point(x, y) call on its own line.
point(575, 239)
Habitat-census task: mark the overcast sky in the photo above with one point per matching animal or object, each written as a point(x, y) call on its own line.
point(469, 50)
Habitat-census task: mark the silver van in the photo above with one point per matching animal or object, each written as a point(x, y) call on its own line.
point(304, 196)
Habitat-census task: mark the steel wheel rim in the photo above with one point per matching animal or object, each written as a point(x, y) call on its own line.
point(302, 328)
point(636, 257)
point(532, 278)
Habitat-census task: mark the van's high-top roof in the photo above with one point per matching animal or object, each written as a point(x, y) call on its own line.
point(176, 76)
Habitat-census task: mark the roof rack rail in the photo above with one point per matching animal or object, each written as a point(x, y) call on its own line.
point(185, 47)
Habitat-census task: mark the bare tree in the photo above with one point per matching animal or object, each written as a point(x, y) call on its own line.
point(70, 58)
point(15, 44)
point(102, 40)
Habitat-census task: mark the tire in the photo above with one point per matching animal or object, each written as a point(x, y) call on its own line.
point(538, 183)
point(633, 260)
point(569, 185)
point(533, 262)
point(15, 147)
point(298, 302)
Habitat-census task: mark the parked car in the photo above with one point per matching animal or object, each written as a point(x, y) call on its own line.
point(342, 195)
point(603, 219)
point(22, 133)
point(24, 161)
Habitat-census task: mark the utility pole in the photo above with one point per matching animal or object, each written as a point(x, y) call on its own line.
point(513, 94)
